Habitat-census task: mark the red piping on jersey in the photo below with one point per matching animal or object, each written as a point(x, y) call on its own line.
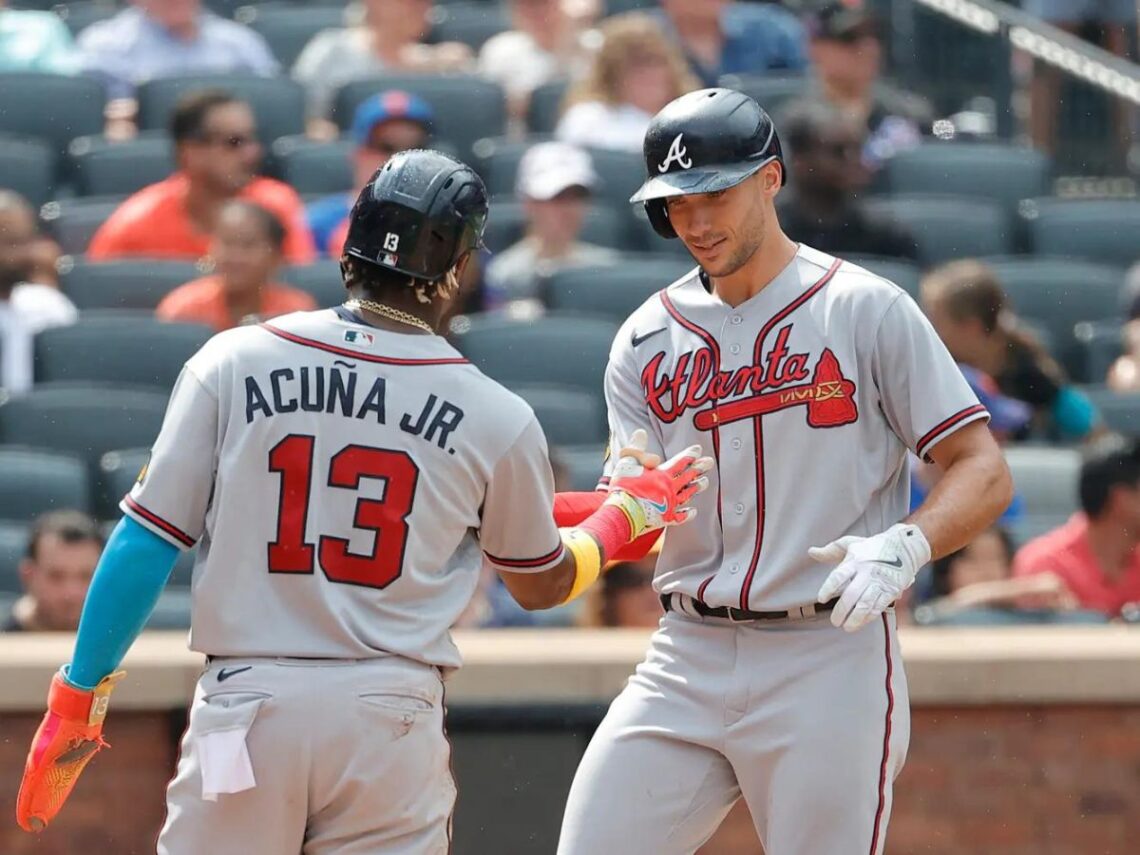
point(715, 348)
point(758, 431)
point(526, 562)
point(356, 354)
point(155, 520)
point(886, 740)
point(920, 446)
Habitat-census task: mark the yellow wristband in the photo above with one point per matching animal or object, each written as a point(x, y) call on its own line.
point(587, 560)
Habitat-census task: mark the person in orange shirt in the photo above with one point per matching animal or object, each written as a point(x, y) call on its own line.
point(247, 252)
point(217, 155)
point(1096, 554)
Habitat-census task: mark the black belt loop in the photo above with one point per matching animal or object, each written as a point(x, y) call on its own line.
point(741, 615)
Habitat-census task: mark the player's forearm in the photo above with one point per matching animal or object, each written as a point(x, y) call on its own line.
point(974, 491)
point(130, 577)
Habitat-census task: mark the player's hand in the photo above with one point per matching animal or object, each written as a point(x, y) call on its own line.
point(68, 737)
point(633, 459)
point(872, 572)
point(656, 497)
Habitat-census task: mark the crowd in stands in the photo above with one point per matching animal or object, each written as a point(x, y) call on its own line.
point(233, 224)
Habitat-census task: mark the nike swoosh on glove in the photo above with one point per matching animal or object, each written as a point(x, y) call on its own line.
point(872, 572)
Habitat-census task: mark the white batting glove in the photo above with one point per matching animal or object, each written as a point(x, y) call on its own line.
point(872, 572)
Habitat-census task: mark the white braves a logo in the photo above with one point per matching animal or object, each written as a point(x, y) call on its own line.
point(678, 154)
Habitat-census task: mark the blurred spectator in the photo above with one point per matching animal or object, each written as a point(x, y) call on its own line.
point(247, 253)
point(624, 596)
point(390, 38)
point(555, 182)
point(846, 54)
point(385, 124)
point(545, 42)
point(217, 156)
point(820, 207)
point(165, 38)
point(26, 307)
point(635, 73)
point(35, 41)
point(63, 549)
point(1095, 554)
point(1124, 375)
point(721, 37)
point(968, 307)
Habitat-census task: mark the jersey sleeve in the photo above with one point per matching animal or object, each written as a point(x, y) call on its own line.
point(174, 489)
point(518, 532)
point(626, 409)
point(922, 392)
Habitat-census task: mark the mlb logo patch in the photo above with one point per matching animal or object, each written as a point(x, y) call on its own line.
point(359, 338)
point(389, 260)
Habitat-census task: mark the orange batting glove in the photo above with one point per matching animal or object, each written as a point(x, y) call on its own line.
point(68, 737)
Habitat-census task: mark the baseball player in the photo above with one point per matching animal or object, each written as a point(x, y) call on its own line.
point(775, 673)
point(341, 471)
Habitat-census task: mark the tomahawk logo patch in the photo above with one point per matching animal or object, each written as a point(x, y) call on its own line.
point(677, 154)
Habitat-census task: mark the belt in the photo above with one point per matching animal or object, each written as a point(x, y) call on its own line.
point(739, 615)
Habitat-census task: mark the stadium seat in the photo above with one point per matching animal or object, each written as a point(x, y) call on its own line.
point(612, 291)
point(118, 350)
point(906, 274)
point(35, 482)
point(78, 15)
point(619, 172)
point(1046, 480)
point(102, 167)
point(467, 108)
point(545, 107)
point(583, 464)
point(321, 279)
point(770, 91)
point(1102, 343)
point(52, 107)
point(603, 225)
point(564, 349)
point(1106, 231)
point(650, 241)
point(118, 471)
point(469, 23)
point(278, 103)
point(126, 284)
point(568, 416)
point(73, 222)
point(88, 420)
point(27, 166)
point(13, 547)
point(288, 27)
point(1006, 174)
point(312, 167)
point(1120, 411)
point(1056, 294)
point(948, 227)
point(172, 611)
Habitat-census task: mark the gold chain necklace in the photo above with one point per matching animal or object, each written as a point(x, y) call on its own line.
point(397, 315)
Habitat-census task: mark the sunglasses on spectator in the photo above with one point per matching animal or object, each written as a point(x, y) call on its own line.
point(230, 141)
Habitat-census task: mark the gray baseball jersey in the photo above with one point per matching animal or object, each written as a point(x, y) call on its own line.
point(809, 395)
point(341, 480)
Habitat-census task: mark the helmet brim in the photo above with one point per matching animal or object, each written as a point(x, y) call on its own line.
point(706, 179)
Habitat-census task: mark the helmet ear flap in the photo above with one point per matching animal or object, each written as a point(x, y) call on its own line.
point(659, 217)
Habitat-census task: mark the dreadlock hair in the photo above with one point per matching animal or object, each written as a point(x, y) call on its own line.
point(375, 281)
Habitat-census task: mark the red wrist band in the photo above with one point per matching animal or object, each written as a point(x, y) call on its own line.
point(610, 527)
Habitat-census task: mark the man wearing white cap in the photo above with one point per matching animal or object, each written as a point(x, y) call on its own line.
point(555, 182)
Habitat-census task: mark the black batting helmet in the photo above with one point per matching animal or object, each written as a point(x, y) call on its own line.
point(418, 215)
point(704, 142)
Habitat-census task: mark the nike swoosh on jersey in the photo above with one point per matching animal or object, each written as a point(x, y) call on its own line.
point(638, 339)
point(224, 675)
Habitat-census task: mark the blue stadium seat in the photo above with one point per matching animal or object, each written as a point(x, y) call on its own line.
point(906, 274)
point(545, 107)
point(563, 349)
point(314, 168)
point(568, 415)
point(1120, 411)
point(278, 103)
point(118, 471)
point(87, 420)
point(1006, 174)
point(321, 279)
point(612, 291)
point(117, 350)
point(1046, 480)
point(949, 227)
point(288, 27)
point(52, 107)
point(467, 108)
point(73, 222)
point(102, 167)
point(13, 547)
point(604, 225)
point(126, 284)
point(1106, 231)
point(469, 23)
point(27, 166)
point(35, 482)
